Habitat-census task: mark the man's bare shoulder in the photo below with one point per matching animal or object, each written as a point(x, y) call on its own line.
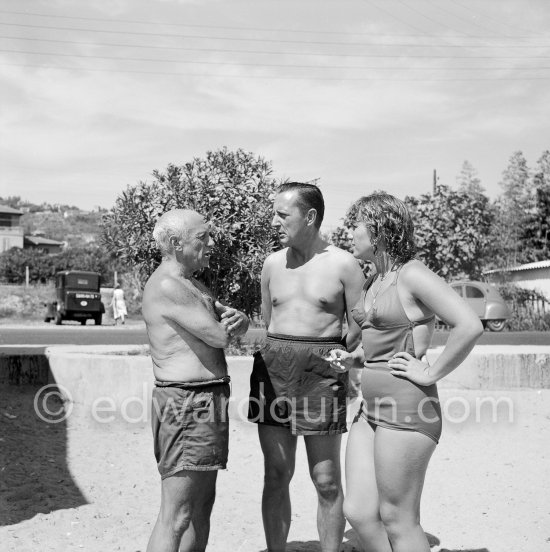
point(163, 286)
point(275, 258)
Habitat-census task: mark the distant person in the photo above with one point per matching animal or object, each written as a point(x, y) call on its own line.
point(399, 423)
point(187, 330)
point(119, 305)
point(308, 288)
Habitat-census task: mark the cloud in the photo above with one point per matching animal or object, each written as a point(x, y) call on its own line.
point(110, 127)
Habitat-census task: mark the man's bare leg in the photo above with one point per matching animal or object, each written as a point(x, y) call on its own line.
point(183, 523)
point(323, 453)
point(279, 449)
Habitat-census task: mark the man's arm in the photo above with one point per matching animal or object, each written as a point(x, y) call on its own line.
point(266, 296)
point(182, 306)
point(235, 321)
point(353, 280)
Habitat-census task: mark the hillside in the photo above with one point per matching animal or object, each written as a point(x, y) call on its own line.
point(75, 227)
point(58, 222)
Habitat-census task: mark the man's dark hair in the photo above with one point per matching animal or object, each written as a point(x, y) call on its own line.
point(308, 197)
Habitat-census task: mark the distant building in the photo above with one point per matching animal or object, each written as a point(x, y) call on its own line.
point(44, 245)
point(11, 231)
point(535, 276)
point(11, 234)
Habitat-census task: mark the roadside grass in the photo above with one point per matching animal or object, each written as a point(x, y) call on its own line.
point(24, 303)
point(19, 303)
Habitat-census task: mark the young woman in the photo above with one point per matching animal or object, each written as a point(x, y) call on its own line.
point(399, 424)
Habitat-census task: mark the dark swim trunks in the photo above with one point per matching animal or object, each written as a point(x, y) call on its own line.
point(292, 386)
point(190, 425)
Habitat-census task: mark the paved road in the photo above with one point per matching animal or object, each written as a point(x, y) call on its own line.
point(135, 335)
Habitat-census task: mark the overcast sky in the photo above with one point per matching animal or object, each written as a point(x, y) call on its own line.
point(363, 94)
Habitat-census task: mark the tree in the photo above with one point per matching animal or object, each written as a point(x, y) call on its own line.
point(512, 210)
point(515, 183)
point(43, 266)
point(451, 230)
point(234, 190)
point(14, 261)
point(535, 232)
point(468, 180)
point(541, 177)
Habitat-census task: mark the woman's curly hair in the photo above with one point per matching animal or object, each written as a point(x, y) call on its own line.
point(387, 218)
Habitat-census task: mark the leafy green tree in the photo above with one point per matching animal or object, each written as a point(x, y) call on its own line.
point(13, 265)
point(541, 178)
point(451, 230)
point(517, 190)
point(468, 180)
point(234, 190)
point(535, 232)
point(93, 258)
point(512, 210)
point(43, 267)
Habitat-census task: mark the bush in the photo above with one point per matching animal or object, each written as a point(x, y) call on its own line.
point(530, 309)
point(234, 190)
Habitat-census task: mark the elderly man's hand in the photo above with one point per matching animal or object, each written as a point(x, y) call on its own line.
point(235, 321)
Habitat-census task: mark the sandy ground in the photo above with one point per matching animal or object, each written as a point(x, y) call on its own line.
point(79, 485)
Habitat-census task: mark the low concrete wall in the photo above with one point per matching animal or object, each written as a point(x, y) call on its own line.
point(116, 382)
point(21, 368)
point(500, 367)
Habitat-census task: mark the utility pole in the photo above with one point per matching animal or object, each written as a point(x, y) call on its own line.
point(435, 182)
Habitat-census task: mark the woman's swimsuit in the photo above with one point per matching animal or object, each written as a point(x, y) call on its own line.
point(391, 401)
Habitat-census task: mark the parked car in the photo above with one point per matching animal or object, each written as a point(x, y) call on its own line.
point(77, 298)
point(486, 301)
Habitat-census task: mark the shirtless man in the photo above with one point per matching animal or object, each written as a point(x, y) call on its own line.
point(307, 289)
point(187, 331)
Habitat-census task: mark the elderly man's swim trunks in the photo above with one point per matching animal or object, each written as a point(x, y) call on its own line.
point(190, 425)
point(292, 386)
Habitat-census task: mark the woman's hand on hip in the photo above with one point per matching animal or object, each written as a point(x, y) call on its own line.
point(404, 365)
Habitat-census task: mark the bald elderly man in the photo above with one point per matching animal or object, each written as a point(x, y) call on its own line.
point(187, 330)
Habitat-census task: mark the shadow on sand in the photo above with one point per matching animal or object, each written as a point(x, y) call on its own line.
point(433, 541)
point(352, 545)
point(314, 546)
point(34, 475)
